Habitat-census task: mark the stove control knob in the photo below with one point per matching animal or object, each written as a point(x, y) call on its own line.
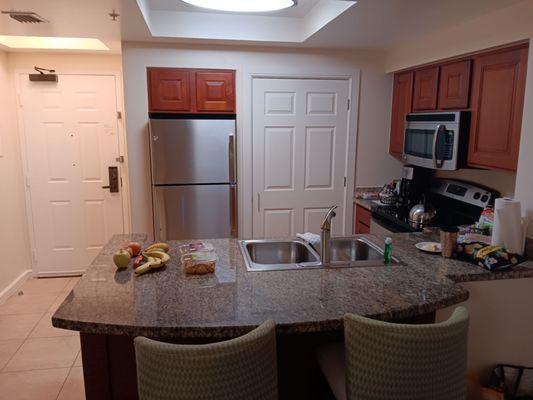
point(484, 198)
point(477, 195)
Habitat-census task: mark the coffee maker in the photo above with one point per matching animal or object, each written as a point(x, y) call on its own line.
point(412, 184)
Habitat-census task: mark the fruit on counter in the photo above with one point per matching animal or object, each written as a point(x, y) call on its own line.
point(162, 246)
point(138, 260)
point(143, 268)
point(156, 263)
point(128, 250)
point(122, 258)
point(135, 248)
point(164, 257)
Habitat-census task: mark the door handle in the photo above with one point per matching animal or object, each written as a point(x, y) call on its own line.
point(113, 180)
point(436, 162)
point(232, 158)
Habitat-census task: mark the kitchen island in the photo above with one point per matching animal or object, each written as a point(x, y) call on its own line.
point(110, 307)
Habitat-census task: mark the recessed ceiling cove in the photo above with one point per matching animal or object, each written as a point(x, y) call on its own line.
point(295, 24)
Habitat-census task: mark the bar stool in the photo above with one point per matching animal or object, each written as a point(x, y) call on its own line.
point(237, 369)
point(383, 361)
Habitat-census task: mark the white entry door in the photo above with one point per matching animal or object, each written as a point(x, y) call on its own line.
point(301, 145)
point(71, 136)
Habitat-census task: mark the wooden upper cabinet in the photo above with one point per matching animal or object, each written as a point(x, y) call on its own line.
point(454, 85)
point(497, 103)
point(184, 90)
point(169, 90)
point(425, 89)
point(402, 96)
point(215, 91)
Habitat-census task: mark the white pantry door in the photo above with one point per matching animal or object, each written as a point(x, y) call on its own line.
point(300, 154)
point(71, 133)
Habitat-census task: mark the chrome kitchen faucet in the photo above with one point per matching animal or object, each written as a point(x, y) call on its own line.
point(325, 235)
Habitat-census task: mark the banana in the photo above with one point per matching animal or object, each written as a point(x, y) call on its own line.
point(163, 246)
point(143, 268)
point(164, 257)
point(157, 263)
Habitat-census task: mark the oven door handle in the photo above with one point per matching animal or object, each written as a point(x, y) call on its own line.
point(436, 162)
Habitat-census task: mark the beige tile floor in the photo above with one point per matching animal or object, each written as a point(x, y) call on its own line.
point(38, 361)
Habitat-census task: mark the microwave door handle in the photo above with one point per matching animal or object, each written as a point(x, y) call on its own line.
point(436, 163)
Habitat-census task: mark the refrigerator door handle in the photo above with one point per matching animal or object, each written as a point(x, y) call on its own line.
point(231, 157)
point(233, 210)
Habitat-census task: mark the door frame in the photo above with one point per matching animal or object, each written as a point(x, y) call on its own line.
point(21, 74)
point(247, 196)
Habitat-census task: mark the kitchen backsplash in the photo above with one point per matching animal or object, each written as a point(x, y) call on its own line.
point(502, 181)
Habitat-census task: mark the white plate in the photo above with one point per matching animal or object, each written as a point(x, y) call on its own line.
point(429, 247)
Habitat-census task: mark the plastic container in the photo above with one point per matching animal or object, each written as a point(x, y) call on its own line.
point(199, 262)
point(195, 247)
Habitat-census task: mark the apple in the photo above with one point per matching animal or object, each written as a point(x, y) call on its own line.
point(135, 248)
point(122, 258)
point(129, 250)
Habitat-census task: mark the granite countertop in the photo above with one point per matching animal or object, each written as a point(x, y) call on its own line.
point(365, 203)
point(232, 301)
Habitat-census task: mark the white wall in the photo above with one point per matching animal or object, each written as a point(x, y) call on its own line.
point(501, 324)
point(14, 242)
point(375, 166)
point(524, 177)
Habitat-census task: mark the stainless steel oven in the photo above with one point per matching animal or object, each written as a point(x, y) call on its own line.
point(436, 140)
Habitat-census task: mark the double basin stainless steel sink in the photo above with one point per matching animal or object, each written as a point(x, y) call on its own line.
point(282, 254)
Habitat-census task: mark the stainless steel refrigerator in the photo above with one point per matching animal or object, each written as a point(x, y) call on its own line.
point(194, 186)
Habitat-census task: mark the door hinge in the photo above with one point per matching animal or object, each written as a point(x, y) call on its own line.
point(348, 105)
point(19, 98)
point(27, 181)
point(344, 181)
point(119, 115)
point(119, 159)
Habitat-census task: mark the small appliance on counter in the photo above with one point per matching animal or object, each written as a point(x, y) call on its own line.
point(412, 184)
point(194, 186)
point(455, 203)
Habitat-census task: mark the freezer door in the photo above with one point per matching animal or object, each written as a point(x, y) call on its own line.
point(195, 212)
point(192, 151)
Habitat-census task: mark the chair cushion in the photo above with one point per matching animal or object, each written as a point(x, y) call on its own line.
point(330, 358)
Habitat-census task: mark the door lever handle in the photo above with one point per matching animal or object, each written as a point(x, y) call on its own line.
point(113, 180)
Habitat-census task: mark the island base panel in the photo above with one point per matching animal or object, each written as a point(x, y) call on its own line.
point(109, 369)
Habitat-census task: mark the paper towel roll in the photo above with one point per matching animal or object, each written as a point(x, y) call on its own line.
point(508, 226)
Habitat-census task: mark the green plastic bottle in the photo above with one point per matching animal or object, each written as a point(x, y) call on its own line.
point(387, 252)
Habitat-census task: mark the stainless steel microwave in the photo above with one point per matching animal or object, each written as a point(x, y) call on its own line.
point(437, 140)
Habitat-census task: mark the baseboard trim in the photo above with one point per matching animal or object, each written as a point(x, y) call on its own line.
point(14, 286)
point(60, 274)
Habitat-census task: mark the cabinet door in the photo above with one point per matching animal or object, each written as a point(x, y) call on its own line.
point(425, 91)
point(169, 90)
point(215, 91)
point(362, 220)
point(402, 96)
point(497, 105)
point(454, 85)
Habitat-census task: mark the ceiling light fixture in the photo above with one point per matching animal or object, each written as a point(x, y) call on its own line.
point(51, 43)
point(243, 5)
